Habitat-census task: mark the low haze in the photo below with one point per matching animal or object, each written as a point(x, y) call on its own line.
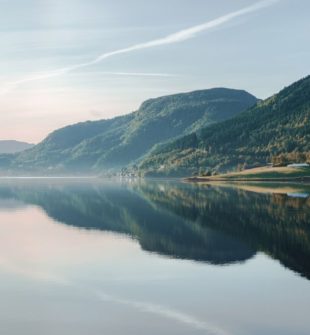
point(52, 74)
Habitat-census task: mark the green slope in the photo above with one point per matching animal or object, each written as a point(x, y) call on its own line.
point(280, 124)
point(100, 145)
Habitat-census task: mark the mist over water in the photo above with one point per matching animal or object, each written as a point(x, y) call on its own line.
point(98, 257)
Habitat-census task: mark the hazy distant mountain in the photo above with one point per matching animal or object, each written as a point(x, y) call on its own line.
point(117, 142)
point(280, 124)
point(9, 147)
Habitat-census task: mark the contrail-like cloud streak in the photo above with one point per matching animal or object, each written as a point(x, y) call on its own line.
point(177, 37)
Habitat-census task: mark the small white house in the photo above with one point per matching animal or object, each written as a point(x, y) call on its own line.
point(297, 165)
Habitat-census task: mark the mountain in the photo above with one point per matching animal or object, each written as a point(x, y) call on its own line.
point(278, 125)
point(115, 143)
point(9, 147)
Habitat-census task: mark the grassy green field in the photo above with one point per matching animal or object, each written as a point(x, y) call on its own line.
point(264, 174)
point(269, 172)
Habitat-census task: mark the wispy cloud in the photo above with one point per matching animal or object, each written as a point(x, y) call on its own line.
point(12, 85)
point(177, 37)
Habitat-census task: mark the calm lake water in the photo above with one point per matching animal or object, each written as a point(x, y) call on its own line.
point(90, 258)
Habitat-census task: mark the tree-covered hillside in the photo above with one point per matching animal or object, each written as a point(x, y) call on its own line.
point(100, 145)
point(278, 125)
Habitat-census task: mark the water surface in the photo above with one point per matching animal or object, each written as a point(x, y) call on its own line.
point(89, 258)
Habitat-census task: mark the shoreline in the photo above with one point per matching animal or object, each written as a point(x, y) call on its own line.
point(305, 180)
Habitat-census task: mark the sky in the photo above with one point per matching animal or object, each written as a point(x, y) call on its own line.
point(69, 61)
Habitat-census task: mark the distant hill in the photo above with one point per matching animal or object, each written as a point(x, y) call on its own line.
point(278, 125)
point(9, 147)
point(114, 143)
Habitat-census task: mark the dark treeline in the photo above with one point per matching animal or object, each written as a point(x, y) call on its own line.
point(289, 158)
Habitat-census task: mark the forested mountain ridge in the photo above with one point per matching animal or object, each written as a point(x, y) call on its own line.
point(277, 125)
point(115, 143)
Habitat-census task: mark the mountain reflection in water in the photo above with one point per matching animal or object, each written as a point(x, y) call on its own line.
point(201, 223)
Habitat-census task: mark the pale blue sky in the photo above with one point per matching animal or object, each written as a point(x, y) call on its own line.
point(260, 50)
